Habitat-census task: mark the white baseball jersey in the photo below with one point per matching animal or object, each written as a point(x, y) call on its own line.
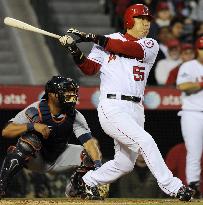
point(80, 125)
point(191, 71)
point(124, 120)
point(116, 68)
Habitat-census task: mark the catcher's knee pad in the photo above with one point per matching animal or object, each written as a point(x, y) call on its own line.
point(17, 157)
point(28, 144)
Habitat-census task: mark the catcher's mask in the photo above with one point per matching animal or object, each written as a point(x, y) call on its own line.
point(65, 88)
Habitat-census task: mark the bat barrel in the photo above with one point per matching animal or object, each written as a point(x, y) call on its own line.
point(22, 25)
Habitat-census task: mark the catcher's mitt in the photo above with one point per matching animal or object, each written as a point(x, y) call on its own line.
point(74, 189)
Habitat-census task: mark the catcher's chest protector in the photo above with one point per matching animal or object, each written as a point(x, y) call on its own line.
point(58, 138)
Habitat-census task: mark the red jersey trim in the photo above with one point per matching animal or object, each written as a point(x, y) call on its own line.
point(129, 48)
point(89, 67)
point(130, 38)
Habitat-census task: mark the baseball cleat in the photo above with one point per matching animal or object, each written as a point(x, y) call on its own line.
point(196, 187)
point(91, 193)
point(185, 193)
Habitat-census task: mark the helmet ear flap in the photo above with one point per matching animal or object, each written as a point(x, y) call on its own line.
point(130, 23)
point(128, 20)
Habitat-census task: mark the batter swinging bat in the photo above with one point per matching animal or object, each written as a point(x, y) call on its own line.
point(22, 25)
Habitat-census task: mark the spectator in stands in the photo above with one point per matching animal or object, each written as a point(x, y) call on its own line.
point(120, 8)
point(181, 8)
point(151, 4)
point(188, 30)
point(199, 30)
point(163, 17)
point(187, 54)
point(164, 66)
point(197, 11)
point(176, 27)
point(162, 37)
point(139, 183)
point(176, 162)
point(163, 14)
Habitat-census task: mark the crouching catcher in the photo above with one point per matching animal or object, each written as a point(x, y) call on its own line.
point(43, 130)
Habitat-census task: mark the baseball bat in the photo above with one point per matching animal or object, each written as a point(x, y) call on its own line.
point(22, 25)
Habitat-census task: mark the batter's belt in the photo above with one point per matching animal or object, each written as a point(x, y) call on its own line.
point(125, 97)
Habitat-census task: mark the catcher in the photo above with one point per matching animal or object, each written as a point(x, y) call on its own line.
point(43, 129)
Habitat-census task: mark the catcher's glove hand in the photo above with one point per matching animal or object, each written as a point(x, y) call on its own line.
point(75, 187)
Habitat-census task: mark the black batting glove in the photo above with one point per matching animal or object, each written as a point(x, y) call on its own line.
point(70, 44)
point(90, 37)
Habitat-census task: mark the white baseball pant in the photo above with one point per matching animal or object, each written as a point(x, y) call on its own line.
point(192, 131)
point(124, 122)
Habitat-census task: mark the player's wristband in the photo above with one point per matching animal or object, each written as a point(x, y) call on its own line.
point(30, 127)
point(77, 54)
point(97, 164)
point(101, 40)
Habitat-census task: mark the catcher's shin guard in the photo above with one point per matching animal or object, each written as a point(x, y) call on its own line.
point(12, 164)
point(16, 158)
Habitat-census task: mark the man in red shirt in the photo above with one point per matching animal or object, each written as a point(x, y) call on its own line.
point(176, 162)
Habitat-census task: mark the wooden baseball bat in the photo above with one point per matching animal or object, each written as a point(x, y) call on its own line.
point(22, 25)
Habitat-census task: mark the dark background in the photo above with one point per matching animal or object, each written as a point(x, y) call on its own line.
point(164, 126)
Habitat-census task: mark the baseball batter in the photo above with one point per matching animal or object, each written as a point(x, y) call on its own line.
point(124, 62)
point(190, 82)
point(43, 129)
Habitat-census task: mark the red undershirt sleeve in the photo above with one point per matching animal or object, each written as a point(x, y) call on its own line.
point(89, 67)
point(127, 48)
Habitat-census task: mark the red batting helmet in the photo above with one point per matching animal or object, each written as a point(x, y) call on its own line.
point(198, 44)
point(133, 11)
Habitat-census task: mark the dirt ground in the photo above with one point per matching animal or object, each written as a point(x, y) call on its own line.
point(112, 201)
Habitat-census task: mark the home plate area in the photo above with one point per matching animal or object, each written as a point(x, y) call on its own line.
point(110, 201)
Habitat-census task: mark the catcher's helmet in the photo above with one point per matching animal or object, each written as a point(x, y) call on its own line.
point(134, 11)
point(65, 88)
